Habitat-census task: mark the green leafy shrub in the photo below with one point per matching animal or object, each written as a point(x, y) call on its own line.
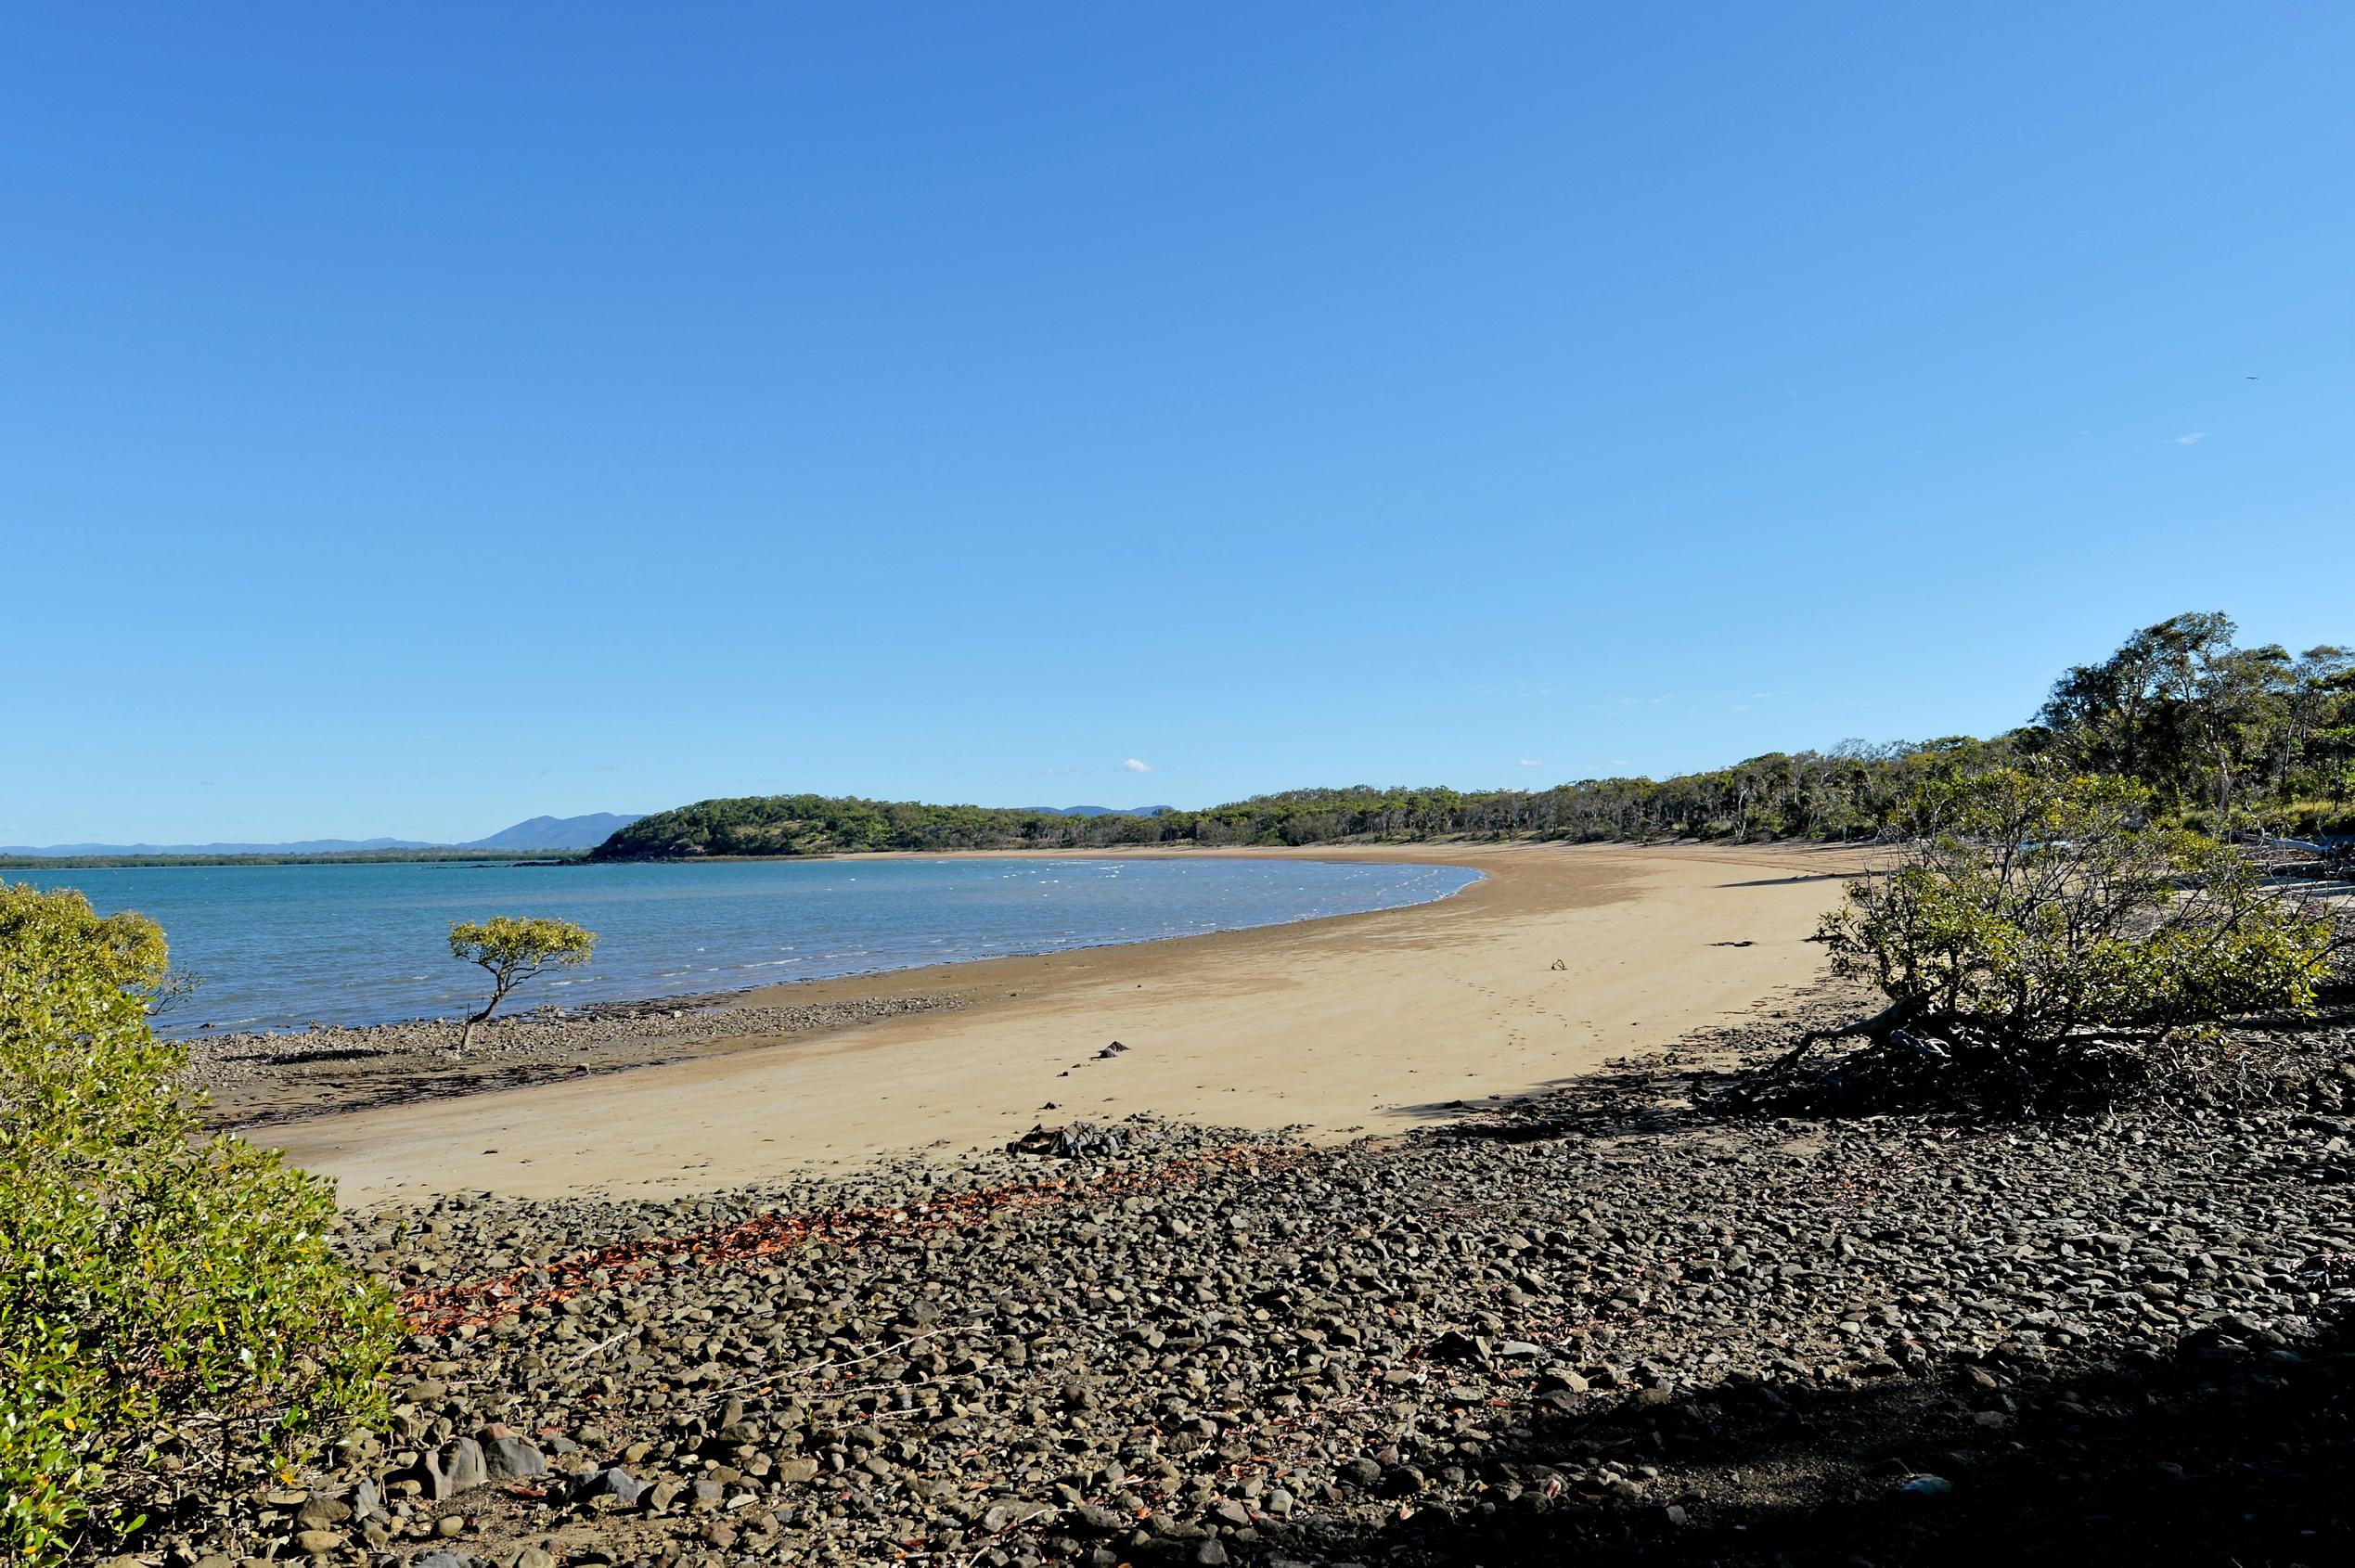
point(2043, 935)
point(149, 1274)
point(511, 949)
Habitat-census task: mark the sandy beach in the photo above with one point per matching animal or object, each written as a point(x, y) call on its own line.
point(1562, 957)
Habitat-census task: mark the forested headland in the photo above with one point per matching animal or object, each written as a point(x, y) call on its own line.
point(2223, 736)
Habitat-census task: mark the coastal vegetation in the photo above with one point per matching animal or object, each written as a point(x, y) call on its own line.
point(511, 949)
point(2219, 736)
point(2047, 943)
point(151, 1280)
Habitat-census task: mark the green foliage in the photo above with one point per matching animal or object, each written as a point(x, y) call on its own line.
point(796, 824)
point(2210, 726)
point(2228, 736)
point(511, 949)
point(1847, 791)
point(517, 946)
point(2042, 916)
point(148, 1275)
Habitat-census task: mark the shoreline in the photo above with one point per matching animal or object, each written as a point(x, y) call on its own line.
point(259, 1079)
point(1561, 958)
point(553, 1012)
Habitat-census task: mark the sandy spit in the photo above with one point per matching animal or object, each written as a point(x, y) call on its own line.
point(1562, 957)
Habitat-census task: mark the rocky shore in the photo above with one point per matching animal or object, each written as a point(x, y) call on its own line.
point(254, 1080)
point(1601, 1323)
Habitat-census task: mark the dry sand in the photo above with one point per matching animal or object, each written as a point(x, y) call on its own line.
point(1564, 956)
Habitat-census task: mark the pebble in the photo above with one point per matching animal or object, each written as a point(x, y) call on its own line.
point(1182, 1341)
point(256, 1079)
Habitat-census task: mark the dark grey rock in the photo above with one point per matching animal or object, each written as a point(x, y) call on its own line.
point(455, 1467)
point(322, 1513)
point(613, 1482)
point(507, 1458)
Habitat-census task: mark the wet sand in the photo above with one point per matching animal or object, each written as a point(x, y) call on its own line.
point(1564, 956)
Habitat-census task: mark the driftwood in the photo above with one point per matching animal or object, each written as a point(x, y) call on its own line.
point(1879, 1027)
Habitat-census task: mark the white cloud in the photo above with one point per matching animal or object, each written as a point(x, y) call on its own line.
point(2191, 438)
point(1133, 765)
point(1531, 762)
point(1738, 708)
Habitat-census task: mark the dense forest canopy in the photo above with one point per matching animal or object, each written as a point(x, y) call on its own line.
point(2223, 736)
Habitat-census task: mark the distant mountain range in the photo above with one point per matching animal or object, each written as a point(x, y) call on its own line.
point(1098, 810)
point(538, 833)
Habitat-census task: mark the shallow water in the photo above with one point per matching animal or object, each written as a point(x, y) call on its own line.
point(280, 946)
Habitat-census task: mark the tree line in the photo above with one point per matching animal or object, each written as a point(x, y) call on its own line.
point(2220, 736)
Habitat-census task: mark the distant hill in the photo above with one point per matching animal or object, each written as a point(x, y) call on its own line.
point(538, 833)
point(1096, 810)
point(558, 833)
point(303, 846)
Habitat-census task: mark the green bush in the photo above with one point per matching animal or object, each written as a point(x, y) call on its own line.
point(2046, 931)
point(511, 949)
point(149, 1274)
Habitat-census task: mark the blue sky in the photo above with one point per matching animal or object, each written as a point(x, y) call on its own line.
point(415, 418)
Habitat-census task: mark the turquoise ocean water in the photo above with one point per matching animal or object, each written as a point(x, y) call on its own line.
point(281, 945)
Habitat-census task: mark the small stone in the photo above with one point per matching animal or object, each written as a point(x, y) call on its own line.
point(455, 1467)
point(616, 1483)
point(512, 1459)
point(322, 1513)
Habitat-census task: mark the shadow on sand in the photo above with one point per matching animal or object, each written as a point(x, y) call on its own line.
point(2225, 1453)
point(2237, 1447)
